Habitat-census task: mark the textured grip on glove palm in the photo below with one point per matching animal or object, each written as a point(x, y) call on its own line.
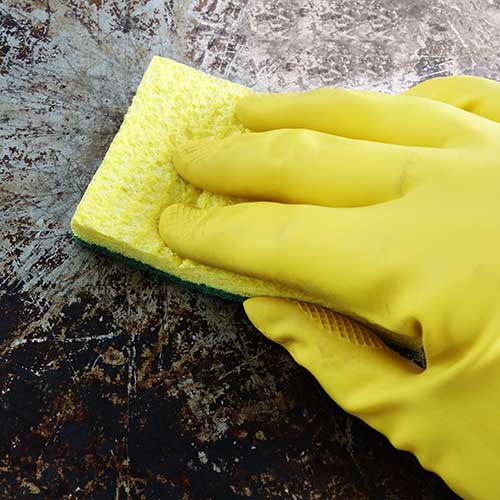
point(337, 324)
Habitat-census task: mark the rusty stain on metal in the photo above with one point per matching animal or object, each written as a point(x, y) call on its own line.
point(114, 383)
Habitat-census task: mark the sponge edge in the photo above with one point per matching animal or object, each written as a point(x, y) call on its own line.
point(120, 210)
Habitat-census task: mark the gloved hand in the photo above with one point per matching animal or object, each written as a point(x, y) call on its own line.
point(388, 208)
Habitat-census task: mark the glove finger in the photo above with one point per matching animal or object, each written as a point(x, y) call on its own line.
point(342, 257)
point(355, 114)
point(304, 166)
point(352, 364)
point(470, 93)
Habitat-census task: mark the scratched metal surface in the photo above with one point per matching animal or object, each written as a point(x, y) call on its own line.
point(115, 384)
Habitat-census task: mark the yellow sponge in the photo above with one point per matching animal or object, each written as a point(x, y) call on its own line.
point(121, 207)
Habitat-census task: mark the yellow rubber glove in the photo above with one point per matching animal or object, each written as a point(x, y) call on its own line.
point(386, 208)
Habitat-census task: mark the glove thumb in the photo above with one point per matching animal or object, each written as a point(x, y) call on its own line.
point(351, 363)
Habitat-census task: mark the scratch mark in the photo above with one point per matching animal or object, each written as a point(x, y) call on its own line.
point(461, 40)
